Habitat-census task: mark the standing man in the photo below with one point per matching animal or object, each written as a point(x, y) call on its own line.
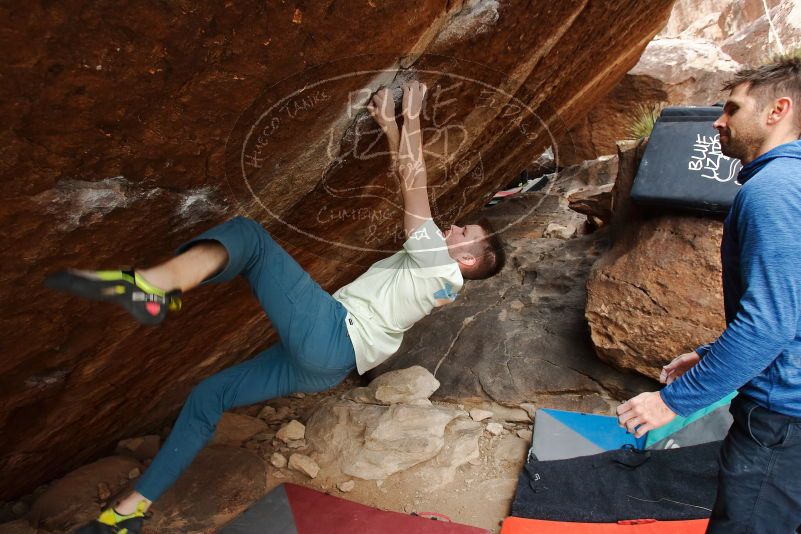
point(759, 353)
point(322, 337)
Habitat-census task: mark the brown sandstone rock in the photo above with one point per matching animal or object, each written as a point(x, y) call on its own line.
point(142, 448)
point(593, 201)
point(756, 42)
point(219, 483)
point(671, 71)
point(114, 152)
point(739, 27)
point(74, 499)
point(236, 429)
point(657, 293)
point(20, 526)
point(703, 43)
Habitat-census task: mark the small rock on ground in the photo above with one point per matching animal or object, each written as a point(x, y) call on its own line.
point(278, 460)
point(304, 464)
point(346, 486)
point(477, 414)
point(292, 431)
point(496, 429)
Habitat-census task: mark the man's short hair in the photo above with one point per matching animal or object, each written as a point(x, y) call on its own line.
point(781, 77)
point(491, 255)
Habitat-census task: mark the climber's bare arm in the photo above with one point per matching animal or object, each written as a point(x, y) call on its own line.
point(382, 109)
point(411, 165)
point(406, 150)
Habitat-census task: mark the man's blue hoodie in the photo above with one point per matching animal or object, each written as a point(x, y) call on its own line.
point(759, 353)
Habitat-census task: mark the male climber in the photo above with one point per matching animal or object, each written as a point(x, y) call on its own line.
point(759, 353)
point(322, 337)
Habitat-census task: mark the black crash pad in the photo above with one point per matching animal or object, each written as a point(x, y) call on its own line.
point(683, 167)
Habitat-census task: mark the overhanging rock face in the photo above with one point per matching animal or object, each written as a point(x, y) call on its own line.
point(129, 127)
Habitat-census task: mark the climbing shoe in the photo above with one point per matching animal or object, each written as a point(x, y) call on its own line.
point(110, 522)
point(148, 304)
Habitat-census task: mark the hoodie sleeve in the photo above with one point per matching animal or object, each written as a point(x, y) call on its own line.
point(768, 209)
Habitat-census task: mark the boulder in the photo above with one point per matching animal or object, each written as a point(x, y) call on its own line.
point(236, 429)
point(739, 27)
point(594, 201)
point(756, 42)
point(671, 71)
point(713, 20)
point(132, 131)
point(219, 483)
point(657, 293)
point(462, 446)
point(401, 386)
point(702, 45)
point(77, 497)
point(373, 442)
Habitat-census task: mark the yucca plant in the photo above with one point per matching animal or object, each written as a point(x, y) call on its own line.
point(643, 120)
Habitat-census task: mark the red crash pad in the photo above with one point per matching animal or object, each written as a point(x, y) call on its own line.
point(516, 525)
point(291, 509)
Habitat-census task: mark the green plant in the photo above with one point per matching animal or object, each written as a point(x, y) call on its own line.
point(643, 120)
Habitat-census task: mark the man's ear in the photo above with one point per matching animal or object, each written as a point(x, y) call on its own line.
point(467, 259)
point(780, 109)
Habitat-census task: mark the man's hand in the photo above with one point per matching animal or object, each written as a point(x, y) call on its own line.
point(413, 94)
point(679, 366)
point(644, 412)
point(382, 109)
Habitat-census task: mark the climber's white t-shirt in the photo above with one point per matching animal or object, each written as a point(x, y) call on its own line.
point(396, 292)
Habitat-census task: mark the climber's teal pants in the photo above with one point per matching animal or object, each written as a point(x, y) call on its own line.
point(314, 351)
